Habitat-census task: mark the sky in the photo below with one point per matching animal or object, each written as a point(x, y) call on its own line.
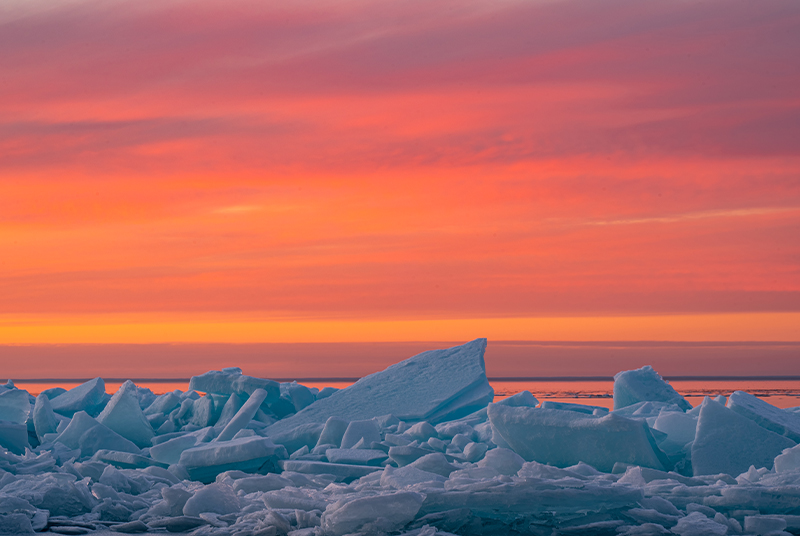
point(252, 172)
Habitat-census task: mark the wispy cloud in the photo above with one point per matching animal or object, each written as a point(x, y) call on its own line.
point(699, 215)
point(237, 209)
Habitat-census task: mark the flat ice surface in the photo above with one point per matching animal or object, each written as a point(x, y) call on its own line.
point(438, 382)
point(417, 450)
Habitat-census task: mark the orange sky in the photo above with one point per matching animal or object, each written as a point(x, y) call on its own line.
point(251, 171)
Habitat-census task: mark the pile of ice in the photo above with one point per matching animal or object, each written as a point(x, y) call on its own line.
point(417, 449)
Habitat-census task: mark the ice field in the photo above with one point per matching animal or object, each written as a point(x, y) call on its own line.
point(417, 449)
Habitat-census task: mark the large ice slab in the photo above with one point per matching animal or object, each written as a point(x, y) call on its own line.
point(88, 397)
point(85, 433)
point(765, 414)
point(728, 443)
point(44, 419)
point(124, 415)
point(446, 384)
point(248, 454)
point(564, 438)
point(644, 384)
point(15, 406)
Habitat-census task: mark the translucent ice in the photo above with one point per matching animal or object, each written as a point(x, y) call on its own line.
point(765, 414)
point(14, 406)
point(44, 420)
point(88, 397)
point(728, 443)
point(14, 436)
point(564, 438)
point(244, 415)
point(124, 415)
point(86, 434)
point(644, 384)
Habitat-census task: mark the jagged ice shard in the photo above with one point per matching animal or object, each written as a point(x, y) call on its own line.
point(417, 450)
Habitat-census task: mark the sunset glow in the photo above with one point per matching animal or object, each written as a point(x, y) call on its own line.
point(399, 171)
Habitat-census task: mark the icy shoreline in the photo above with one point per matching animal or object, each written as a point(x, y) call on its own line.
point(416, 449)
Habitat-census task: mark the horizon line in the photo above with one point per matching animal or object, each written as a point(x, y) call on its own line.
point(493, 378)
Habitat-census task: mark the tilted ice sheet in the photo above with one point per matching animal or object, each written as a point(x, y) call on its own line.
point(413, 390)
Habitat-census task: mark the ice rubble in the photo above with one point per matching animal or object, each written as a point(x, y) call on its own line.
point(417, 449)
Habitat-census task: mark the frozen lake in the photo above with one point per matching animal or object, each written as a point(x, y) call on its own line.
point(780, 392)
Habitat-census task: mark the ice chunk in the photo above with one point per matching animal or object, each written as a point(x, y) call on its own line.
point(243, 416)
point(436, 386)
point(788, 460)
point(56, 492)
point(230, 409)
point(15, 524)
point(163, 404)
point(475, 451)
point(88, 397)
point(436, 463)
point(405, 454)
point(697, 524)
point(216, 498)
point(504, 461)
point(126, 460)
point(300, 395)
point(230, 382)
point(124, 415)
point(377, 514)
point(85, 433)
point(564, 438)
point(169, 452)
point(14, 406)
point(367, 430)
point(249, 454)
point(567, 406)
point(205, 411)
point(764, 524)
point(252, 484)
point(765, 414)
point(14, 436)
point(728, 443)
point(523, 398)
point(44, 420)
point(356, 456)
point(680, 427)
point(422, 431)
point(333, 432)
point(644, 384)
point(341, 472)
point(303, 435)
point(404, 477)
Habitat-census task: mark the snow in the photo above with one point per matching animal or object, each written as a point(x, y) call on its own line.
point(415, 450)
